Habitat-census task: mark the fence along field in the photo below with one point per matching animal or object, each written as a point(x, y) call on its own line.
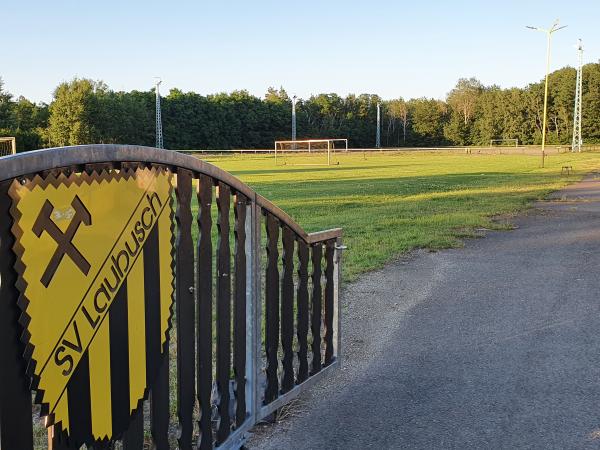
point(250, 258)
point(319, 152)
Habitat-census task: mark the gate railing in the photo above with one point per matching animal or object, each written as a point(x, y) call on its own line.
point(257, 317)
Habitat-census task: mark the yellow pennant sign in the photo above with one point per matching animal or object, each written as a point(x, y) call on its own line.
point(95, 263)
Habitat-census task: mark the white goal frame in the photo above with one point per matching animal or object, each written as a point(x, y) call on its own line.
point(13, 145)
point(330, 146)
point(492, 141)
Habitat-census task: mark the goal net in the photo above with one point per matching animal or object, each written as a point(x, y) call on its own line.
point(309, 151)
point(8, 146)
point(504, 143)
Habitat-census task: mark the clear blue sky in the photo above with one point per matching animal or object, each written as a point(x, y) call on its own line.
point(392, 48)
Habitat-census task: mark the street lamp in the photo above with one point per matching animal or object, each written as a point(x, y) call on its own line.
point(548, 32)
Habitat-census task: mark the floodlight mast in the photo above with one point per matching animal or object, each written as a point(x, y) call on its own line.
point(577, 138)
point(378, 135)
point(294, 99)
point(548, 32)
point(159, 133)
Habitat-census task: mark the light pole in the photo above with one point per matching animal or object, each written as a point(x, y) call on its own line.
point(378, 135)
point(159, 132)
point(577, 142)
point(548, 32)
point(294, 98)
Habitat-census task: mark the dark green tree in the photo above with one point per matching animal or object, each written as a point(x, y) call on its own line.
point(75, 112)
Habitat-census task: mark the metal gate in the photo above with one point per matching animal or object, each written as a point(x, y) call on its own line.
point(256, 316)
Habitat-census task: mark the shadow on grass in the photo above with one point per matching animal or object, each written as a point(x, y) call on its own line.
point(291, 169)
point(385, 217)
point(398, 186)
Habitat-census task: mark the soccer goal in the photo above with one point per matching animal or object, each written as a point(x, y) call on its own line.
point(8, 146)
point(504, 143)
point(309, 151)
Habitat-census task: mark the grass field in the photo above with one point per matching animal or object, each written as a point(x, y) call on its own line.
point(392, 203)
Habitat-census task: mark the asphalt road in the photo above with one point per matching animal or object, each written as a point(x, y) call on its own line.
point(495, 345)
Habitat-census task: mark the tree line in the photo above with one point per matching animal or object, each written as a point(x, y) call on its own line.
point(84, 111)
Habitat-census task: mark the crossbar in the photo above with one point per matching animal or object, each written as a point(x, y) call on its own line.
point(312, 141)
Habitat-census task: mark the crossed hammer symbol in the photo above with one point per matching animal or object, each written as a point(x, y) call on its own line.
point(64, 240)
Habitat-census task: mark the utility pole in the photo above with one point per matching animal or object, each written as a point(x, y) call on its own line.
point(159, 132)
point(378, 135)
point(577, 138)
point(548, 32)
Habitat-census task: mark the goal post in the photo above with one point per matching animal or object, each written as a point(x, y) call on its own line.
point(504, 142)
point(8, 146)
point(309, 147)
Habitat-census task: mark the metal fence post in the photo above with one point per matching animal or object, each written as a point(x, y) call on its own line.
point(337, 280)
point(256, 310)
point(250, 311)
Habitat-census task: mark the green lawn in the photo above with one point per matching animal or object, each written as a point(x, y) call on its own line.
point(391, 203)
